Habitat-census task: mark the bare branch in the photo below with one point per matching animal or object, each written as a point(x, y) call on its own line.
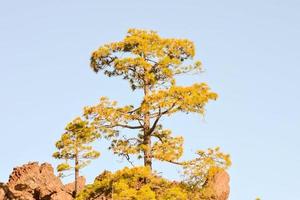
point(164, 112)
point(130, 112)
point(158, 136)
point(124, 126)
point(159, 114)
point(155, 122)
point(127, 157)
point(130, 127)
point(176, 163)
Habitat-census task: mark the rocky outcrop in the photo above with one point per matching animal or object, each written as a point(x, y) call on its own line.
point(217, 187)
point(3, 189)
point(71, 186)
point(36, 182)
point(221, 186)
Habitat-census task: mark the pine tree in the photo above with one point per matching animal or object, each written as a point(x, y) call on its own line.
point(151, 64)
point(75, 145)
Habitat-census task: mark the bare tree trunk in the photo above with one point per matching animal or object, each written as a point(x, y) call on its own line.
point(147, 134)
point(76, 174)
point(147, 152)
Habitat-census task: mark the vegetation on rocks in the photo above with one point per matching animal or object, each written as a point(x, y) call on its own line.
point(129, 184)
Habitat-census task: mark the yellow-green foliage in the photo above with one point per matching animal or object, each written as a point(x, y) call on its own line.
point(136, 183)
point(139, 183)
point(174, 193)
point(149, 59)
point(205, 165)
point(75, 144)
point(150, 63)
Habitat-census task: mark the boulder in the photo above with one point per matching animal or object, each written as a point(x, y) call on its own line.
point(217, 187)
point(36, 182)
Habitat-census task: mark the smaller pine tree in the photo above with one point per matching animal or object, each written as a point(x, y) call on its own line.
point(75, 145)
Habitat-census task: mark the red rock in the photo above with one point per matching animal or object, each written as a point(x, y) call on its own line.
point(61, 196)
point(36, 182)
point(218, 186)
point(221, 185)
point(71, 186)
point(2, 192)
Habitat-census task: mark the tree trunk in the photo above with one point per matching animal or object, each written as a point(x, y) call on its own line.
point(76, 174)
point(147, 134)
point(147, 152)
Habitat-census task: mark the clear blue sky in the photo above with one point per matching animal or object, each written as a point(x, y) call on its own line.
point(250, 51)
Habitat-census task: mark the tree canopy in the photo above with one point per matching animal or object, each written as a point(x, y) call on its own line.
point(74, 145)
point(151, 63)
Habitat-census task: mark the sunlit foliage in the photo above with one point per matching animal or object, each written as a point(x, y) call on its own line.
point(204, 166)
point(150, 63)
point(144, 58)
point(75, 144)
point(129, 184)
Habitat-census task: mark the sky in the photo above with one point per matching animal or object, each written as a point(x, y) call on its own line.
point(250, 53)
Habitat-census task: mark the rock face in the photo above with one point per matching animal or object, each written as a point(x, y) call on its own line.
point(71, 186)
point(2, 190)
point(219, 186)
point(36, 182)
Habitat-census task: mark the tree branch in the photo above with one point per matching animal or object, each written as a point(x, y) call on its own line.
point(123, 126)
point(132, 111)
point(157, 136)
point(155, 122)
point(166, 111)
point(159, 116)
point(174, 162)
point(130, 127)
